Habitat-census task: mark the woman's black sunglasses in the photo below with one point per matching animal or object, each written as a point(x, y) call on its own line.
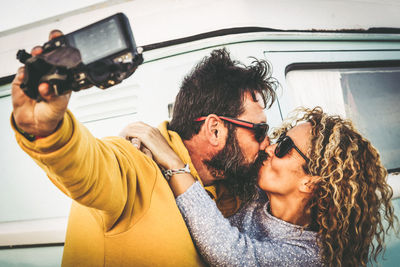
point(284, 145)
point(260, 129)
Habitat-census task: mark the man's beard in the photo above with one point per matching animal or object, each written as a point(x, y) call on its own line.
point(229, 167)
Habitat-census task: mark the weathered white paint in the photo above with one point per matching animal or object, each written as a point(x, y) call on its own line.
point(156, 21)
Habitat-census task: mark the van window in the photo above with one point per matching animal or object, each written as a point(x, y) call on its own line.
point(5, 90)
point(370, 97)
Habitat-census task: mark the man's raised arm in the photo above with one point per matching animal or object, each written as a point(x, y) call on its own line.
point(42, 118)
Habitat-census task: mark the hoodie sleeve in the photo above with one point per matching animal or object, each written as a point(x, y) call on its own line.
point(109, 175)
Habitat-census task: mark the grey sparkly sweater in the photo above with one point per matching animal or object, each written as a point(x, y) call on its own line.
point(251, 237)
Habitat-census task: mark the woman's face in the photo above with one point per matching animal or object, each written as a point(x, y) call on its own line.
point(282, 176)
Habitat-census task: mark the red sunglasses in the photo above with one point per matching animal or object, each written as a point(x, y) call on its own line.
point(260, 129)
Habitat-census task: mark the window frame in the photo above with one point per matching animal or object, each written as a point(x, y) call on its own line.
point(4, 81)
point(341, 65)
point(345, 65)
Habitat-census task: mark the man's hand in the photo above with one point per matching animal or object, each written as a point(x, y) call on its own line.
point(38, 118)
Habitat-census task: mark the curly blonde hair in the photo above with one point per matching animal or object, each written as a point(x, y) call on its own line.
point(350, 195)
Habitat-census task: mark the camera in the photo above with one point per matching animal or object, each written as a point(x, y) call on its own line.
point(102, 54)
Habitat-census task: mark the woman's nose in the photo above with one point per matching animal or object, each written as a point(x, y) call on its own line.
point(270, 150)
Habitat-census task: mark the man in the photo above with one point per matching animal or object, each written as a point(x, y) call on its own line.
point(124, 213)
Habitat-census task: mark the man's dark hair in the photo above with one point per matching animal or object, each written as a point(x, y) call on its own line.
point(217, 85)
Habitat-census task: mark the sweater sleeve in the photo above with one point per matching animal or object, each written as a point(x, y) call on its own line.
point(222, 244)
point(108, 175)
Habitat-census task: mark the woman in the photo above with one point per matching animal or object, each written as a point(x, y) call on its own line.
point(323, 188)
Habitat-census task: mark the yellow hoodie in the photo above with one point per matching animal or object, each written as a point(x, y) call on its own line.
point(124, 213)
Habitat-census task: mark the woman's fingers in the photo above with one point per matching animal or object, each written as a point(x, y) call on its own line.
point(146, 152)
point(135, 142)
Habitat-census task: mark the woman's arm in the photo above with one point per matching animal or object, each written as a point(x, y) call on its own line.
point(220, 243)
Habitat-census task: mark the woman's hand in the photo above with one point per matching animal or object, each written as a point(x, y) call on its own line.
point(145, 138)
point(150, 141)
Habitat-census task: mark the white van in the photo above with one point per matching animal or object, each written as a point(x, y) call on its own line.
point(341, 55)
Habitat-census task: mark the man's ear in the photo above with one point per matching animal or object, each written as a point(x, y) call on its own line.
point(215, 130)
point(307, 183)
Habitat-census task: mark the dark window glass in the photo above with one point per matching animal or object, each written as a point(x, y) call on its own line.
point(370, 97)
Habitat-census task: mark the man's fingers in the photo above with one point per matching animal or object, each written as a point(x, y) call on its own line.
point(16, 83)
point(36, 50)
point(54, 34)
point(19, 77)
point(18, 96)
point(44, 90)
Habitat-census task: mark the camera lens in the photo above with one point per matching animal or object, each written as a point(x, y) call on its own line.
point(99, 72)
